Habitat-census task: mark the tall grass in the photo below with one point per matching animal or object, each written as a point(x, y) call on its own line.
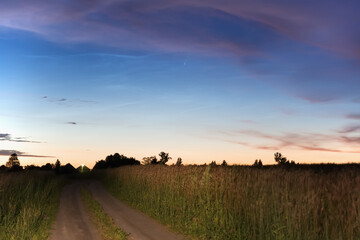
point(244, 203)
point(28, 204)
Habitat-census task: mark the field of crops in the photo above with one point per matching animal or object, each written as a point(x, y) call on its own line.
point(28, 204)
point(244, 203)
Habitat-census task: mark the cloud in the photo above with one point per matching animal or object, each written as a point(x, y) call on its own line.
point(21, 154)
point(352, 140)
point(67, 101)
point(333, 28)
point(307, 49)
point(9, 152)
point(356, 100)
point(353, 116)
point(71, 123)
point(350, 129)
point(309, 141)
point(8, 137)
point(4, 137)
point(249, 121)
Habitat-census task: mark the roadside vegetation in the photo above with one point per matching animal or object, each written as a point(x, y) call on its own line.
point(104, 223)
point(287, 201)
point(28, 204)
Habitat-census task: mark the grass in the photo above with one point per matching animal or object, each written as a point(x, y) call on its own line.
point(245, 203)
point(103, 222)
point(28, 204)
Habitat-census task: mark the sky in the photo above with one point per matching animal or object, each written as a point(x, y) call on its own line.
point(233, 80)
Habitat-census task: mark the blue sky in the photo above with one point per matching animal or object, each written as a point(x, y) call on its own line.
point(234, 80)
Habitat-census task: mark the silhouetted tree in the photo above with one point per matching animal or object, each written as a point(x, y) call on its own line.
point(154, 161)
point(164, 158)
point(213, 164)
point(100, 165)
point(179, 162)
point(118, 160)
point(224, 163)
point(57, 166)
point(280, 159)
point(15, 168)
point(46, 167)
point(32, 167)
point(13, 160)
point(258, 163)
point(3, 168)
point(149, 160)
point(283, 161)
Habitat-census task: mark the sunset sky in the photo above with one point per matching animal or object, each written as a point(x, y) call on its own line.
point(201, 80)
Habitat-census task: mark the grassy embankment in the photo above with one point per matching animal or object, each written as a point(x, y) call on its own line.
point(244, 203)
point(102, 221)
point(28, 204)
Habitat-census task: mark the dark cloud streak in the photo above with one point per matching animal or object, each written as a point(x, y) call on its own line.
point(67, 101)
point(22, 154)
point(7, 137)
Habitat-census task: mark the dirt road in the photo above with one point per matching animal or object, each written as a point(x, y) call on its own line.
point(73, 222)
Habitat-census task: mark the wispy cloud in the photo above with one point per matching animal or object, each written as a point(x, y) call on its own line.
point(21, 154)
point(350, 129)
point(4, 137)
point(317, 45)
point(309, 141)
point(8, 137)
point(248, 121)
point(67, 100)
point(155, 23)
point(91, 54)
point(353, 116)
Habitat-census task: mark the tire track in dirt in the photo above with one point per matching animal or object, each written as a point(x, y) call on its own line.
point(72, 221)
point(139, 225)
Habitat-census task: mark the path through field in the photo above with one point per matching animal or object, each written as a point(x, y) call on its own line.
point(73, 222)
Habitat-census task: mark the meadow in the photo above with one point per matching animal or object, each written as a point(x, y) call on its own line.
point(28, 204)
point(213, 202)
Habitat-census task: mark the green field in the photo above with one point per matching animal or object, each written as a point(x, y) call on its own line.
point(245, 203)
point(28, 204)
point(203, 202)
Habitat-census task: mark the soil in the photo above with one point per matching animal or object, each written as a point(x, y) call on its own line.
point(73, 222)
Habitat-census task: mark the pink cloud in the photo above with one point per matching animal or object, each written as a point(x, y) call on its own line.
point(308, 142)
point(350, 129)
point(307, 22)
point(353, 116)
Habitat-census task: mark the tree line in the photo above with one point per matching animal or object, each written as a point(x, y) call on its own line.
point(118, 160)
point(57, 167)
